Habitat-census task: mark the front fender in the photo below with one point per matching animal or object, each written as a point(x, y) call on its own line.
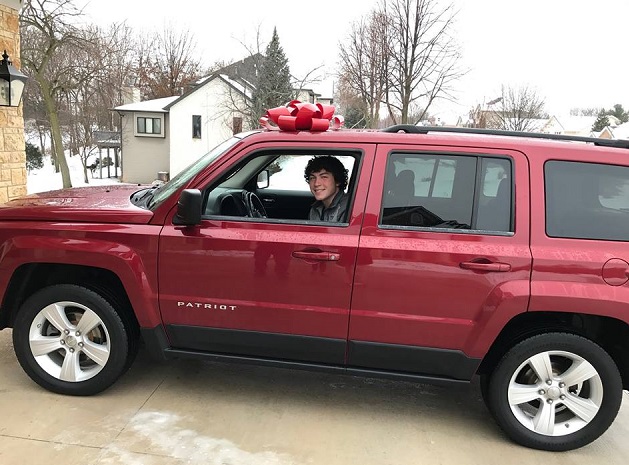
point(131, 257)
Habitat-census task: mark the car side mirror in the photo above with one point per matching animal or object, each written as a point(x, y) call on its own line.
point(188, 208)
point(263, 179)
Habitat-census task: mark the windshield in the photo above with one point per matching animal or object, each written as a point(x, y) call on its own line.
point(166, 190)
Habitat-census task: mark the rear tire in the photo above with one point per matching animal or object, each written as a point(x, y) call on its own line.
point(555, 392)
point(70, 340)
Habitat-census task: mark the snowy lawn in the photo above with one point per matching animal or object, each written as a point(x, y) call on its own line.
point(45, 179)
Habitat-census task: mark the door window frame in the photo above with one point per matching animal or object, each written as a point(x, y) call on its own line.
point(477, 190)
point(353, 181)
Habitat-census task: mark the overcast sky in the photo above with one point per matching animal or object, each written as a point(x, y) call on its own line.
point(574, 52)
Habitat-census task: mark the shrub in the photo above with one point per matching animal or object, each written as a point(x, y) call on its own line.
point(34, 157)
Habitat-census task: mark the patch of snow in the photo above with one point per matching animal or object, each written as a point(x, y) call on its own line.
point(243, 89)
point(45, 179)
point(184, 445)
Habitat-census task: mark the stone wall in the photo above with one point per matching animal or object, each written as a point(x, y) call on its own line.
point(12, 154)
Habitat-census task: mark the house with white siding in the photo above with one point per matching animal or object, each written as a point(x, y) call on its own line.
point(161, 137)
point(165, 135)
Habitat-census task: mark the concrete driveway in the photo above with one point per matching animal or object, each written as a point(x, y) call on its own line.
point(190, 412)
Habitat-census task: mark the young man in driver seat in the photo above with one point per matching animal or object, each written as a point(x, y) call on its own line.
point(327, 178)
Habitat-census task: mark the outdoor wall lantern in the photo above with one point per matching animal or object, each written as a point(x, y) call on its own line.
point(11, 83)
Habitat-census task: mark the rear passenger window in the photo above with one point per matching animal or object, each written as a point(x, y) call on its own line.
point(448, 191)
point(587, 200)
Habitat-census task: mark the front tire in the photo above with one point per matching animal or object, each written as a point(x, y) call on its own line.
point(555, 392)
point(70, 340)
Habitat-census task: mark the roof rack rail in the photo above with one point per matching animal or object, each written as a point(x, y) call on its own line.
point(409, 128)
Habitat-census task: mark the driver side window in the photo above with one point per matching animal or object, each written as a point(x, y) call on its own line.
point(271, 187)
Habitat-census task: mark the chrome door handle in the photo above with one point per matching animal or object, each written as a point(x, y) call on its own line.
point(318, 256)
point(482, 266)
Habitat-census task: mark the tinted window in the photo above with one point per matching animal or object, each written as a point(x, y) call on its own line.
point(587, 200)
point(495, 209)
point(441, 191)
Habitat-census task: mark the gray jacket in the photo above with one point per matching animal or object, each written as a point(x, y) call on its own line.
point(337, 212)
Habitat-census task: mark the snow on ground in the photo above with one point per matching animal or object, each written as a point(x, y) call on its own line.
point(45, 179)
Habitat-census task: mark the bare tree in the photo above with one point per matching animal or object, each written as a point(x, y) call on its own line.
point(166, 63)
point(110, 54)
point(352, 106)
point(80, 119)
point(517, 109)
point(363, 65)
point(115, 49)
point(423, 56)
point(402, 56)
point(56, 54)
point(592, 111)
point(36, 122)
point(78, 76)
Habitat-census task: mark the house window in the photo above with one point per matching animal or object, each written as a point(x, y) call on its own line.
point(149, 125)
point(237, 124)
point(196, 126)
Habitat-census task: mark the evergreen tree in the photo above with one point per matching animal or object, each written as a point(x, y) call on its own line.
point(34, 158)
point(355, 117)
point(274, 87)
point(601, 122)
point(620, 113)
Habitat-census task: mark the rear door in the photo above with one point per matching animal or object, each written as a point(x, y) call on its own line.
point(581, 239)
point(444, 259)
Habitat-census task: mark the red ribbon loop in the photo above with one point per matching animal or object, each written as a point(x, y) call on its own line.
point(298, 116)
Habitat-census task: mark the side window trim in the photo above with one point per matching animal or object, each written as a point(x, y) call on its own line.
point(477, 193)
point(478, 182)
point(357, 154)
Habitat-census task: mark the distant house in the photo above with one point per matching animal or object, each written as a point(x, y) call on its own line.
point(309, 95)
point(167, 134)
point(577, 125)
point(621, 131)
point(581, 126)
point(606, 133)
point(145, 144)
point(484, 116)
point(552, 126)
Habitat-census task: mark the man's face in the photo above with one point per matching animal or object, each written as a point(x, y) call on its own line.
point(323, 186)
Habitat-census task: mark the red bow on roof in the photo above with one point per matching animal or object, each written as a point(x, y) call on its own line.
point(298, 116)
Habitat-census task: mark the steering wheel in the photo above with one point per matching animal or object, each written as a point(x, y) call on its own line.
point(253, 204)
point(232, 204)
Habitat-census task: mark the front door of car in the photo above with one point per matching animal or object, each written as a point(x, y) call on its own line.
point(264, 287)
point(444, 259)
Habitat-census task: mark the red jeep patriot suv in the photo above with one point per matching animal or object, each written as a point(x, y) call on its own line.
point(461, 253)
